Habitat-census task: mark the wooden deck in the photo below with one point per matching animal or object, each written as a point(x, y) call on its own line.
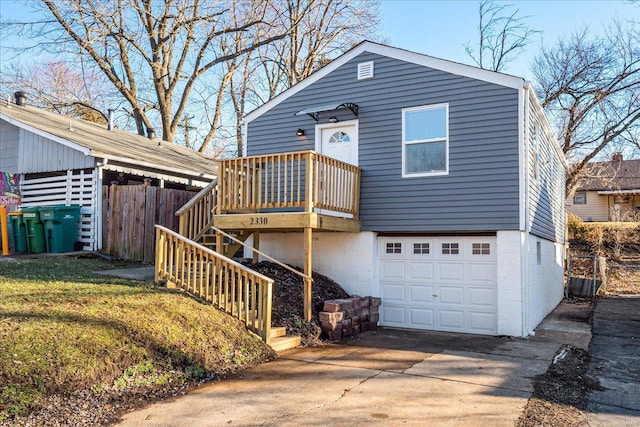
point(301, 191)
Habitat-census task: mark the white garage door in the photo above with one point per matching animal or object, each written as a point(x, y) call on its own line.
point(442, 284)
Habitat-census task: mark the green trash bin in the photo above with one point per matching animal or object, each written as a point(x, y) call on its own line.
point(19, 232)
point(60, 227)
point(34, 230)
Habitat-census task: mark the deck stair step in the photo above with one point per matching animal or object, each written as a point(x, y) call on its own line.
point(284, 343)
point(278, 331)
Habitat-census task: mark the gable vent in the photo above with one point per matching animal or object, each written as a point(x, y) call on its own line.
point(365, 70)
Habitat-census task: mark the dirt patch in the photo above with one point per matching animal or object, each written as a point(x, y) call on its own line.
point(288, 303)
point(560, 394)
point(623, 277)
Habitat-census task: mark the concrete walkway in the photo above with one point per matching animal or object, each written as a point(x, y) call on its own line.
point(389, 377)
point(615, 362)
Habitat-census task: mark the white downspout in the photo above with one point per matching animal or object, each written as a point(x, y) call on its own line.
point(525, 252)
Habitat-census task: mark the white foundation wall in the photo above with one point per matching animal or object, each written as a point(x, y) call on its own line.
point(510, 245)
point(545, 286)
point(347, 258)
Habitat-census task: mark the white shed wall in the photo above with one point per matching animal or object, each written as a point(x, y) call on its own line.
point(9, 148)
point(39, 154)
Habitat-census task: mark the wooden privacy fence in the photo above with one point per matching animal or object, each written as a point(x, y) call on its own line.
point(129, 213)
point(228, 285)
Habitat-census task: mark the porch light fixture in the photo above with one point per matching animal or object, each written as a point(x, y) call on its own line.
point(333, 119)
point(300, 132)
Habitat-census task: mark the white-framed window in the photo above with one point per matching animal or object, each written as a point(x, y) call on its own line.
point(425, 141)
point(580, 198)
point(339, 137)
point(450, 249)
point(394, 248)
point(421, 249)
point(481, 248)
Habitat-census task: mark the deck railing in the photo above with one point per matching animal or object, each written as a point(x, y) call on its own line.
point(303, 180)
point(196, 216)
point(228, 285)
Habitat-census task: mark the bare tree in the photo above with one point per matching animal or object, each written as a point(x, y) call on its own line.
point(183, 63)
point(590, 87)
point(155, 53)
point(58, 86)
point(318, 31)
point(502, 35)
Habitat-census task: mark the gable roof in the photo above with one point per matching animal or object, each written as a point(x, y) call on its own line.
point(113, 145)
point(396, 53)
point(614, 175)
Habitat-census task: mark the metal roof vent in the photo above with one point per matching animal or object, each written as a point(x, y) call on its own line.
point(365, 70)
point(151, 133)
point(110, 119)
point(21, 98)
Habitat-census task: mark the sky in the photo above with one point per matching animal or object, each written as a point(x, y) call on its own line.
point(441, 28)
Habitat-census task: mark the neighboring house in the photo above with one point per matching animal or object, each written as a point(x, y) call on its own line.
point(62, 160)
point(461, 209)
point(610, 191)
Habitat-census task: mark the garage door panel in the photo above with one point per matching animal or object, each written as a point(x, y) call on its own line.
point(451, 295)
point(482, 322)
point(422, 317)
point(480, 272)
point(393, 270)
point(393, 292)
point(451, 271)
point(420, 270)
point(422, 293)
point(482, 297)
point(451, 320)
point(393, 315)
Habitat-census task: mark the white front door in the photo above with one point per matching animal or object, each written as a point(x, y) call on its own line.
point(339, 141)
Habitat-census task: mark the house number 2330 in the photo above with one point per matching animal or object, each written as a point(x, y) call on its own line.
point(258, 220)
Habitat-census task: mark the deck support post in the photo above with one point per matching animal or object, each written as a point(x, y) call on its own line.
point(308, 242)
point(256, 245)
point(220, 243)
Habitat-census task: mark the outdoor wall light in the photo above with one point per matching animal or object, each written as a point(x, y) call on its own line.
point(300, 132)
point(333, 119)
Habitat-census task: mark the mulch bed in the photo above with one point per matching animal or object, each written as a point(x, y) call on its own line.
point(560, 394)
point(288, 303)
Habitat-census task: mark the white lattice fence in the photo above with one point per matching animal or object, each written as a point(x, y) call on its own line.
point(76, 187)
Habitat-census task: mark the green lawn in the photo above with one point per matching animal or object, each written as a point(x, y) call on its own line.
point(66, 330)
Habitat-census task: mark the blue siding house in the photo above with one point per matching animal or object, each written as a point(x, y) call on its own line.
point(461, 192)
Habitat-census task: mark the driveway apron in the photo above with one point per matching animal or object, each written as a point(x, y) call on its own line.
point(388, 377)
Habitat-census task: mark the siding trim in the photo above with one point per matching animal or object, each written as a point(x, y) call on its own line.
point(451, 67)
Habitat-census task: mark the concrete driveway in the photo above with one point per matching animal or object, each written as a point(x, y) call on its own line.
point(388, 377)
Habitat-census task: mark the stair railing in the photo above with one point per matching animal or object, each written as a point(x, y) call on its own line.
point(196, 216)
point(225, 283)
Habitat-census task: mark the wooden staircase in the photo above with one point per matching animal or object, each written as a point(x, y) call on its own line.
point(300, 191)
point(176, 265)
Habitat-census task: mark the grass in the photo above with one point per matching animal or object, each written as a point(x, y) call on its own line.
point(66, 330)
